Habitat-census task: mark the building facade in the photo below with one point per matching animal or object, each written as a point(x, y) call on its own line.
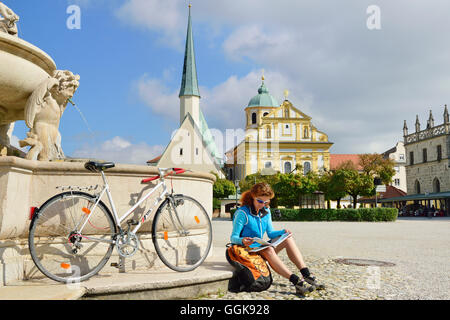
point(427, 163)
point(277, 138)
point(428, 156)
point(398, 154)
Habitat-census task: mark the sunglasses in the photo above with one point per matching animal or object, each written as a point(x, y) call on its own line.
point(262, 201)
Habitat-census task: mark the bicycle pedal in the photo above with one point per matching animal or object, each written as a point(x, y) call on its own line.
point(116, 265)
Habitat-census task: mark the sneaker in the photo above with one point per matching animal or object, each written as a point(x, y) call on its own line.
point(313, 282)
point(301, 288)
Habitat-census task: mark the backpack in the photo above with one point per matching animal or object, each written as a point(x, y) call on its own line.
point(251, 274)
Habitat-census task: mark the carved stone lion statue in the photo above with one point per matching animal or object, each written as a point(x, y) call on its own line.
point(43, 113)
point(8, 23)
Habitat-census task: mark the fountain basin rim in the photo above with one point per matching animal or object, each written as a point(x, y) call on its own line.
point(27, 51)
point(68, 166)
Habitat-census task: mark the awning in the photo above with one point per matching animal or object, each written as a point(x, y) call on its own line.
point(425, 196)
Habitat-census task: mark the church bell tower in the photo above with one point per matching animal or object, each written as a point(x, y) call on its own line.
point(189, 92)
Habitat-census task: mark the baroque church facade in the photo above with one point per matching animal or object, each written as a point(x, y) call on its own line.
point(278, 137)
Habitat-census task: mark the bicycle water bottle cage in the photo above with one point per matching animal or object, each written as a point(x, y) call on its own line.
point(98, 166)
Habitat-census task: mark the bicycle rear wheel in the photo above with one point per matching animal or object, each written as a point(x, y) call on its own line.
point(182, 233)
point(58, 248)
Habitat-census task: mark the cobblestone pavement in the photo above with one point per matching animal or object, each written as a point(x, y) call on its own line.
point(418, 248)
point(343, 282)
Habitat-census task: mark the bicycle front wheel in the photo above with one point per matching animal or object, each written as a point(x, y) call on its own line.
point(182, 233)
point(69, 239)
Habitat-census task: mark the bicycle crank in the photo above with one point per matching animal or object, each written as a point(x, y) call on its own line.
point(127, 244)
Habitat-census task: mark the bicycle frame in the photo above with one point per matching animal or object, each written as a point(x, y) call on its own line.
point(118, 220)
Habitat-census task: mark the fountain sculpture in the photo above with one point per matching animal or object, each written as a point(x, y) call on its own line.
point(31, 89)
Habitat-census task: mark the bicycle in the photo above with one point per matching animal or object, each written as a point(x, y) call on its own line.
point(73, 234)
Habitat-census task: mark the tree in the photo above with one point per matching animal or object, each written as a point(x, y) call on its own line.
point(353, 182)
point(359, 184)
point(223, 188)
point(333, 185)
point(291, 186)
point(374, 165)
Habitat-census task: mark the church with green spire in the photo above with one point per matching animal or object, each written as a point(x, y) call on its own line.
point(192, 145)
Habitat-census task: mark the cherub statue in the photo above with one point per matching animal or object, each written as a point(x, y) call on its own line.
point(8, 23)
point(43, 113)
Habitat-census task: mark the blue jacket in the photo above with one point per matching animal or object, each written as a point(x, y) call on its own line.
point(248, 223)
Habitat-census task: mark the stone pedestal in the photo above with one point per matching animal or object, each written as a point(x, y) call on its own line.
point(25, 184)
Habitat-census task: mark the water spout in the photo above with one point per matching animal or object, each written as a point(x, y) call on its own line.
point(82, 117)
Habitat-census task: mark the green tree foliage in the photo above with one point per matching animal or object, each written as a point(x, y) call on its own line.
point(333, 185)
point(353, 182)
point(290, 186)
point(359, 184)
point(374, 165)
point(223, 188)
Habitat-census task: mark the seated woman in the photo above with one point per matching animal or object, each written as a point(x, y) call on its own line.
point(254, 219)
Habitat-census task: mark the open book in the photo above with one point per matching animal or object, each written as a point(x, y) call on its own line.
point(260, 244)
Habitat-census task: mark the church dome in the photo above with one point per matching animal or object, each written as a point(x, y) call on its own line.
point(263, 98)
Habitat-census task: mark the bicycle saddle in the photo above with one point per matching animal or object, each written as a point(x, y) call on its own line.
point(98, 166)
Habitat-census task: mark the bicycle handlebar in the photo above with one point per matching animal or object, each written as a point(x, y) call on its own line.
point(174, 170)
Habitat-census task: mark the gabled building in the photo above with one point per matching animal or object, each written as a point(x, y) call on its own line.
point(192, 145)
point(397, 154)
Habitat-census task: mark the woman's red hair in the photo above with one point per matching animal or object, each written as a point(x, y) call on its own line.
point(261, 189)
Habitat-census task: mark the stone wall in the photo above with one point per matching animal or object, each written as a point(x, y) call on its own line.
point(426, 172)
point(25, 184)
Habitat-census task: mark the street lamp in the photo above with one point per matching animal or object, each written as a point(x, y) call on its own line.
point(236, 184)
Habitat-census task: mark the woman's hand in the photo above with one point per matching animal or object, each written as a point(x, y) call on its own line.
point(247, 241)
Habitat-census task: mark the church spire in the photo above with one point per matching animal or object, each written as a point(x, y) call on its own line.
point(189, 83)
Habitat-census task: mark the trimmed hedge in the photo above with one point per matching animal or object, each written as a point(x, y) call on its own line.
point(362, 214)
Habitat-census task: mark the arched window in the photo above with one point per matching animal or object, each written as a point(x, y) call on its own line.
point(436, 185)
point(286, 113)
point(253, 117)
point(287, 167)
point(417, 187)
point(306, 167)
point(265, 114)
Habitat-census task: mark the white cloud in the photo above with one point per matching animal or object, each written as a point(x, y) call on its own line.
point(223, 105)
point(253, 41)
point(120, 150)
point(156, 95)
point(358, 85)
point(163, 17)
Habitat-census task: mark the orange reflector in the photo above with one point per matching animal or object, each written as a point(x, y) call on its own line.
point(65, 265)
point(166, 235)
point(197, 219)
point(86, 210)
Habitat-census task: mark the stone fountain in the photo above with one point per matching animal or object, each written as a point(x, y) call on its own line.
point(34, 91)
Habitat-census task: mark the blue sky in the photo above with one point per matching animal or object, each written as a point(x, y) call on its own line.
point(357, 84)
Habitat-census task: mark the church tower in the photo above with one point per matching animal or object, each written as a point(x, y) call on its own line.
point(189, 92)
